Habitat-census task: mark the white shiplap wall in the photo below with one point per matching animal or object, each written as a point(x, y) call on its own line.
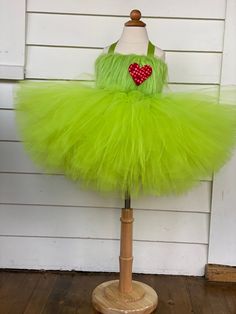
point(47, 221)
point(12, 39)
point(222, 246)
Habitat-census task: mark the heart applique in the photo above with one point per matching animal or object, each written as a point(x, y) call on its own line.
point(140, 74)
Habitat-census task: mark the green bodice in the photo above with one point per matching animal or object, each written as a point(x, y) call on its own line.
point(112, 71)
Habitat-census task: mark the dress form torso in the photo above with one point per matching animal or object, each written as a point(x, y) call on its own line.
point(134, 40)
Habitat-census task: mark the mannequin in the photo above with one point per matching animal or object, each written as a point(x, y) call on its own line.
point(134, 38)
point(125, 295)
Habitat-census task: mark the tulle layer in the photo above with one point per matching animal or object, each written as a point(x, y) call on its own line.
point(125, 141)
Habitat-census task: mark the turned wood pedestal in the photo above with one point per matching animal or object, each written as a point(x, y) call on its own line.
point(124, 295)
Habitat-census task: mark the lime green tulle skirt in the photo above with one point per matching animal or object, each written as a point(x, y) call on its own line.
point(125, 141)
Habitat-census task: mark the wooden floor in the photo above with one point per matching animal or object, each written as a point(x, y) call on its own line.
point(70, 293)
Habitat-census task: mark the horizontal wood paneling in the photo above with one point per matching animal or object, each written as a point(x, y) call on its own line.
point(8, 128)
point(6, 95)
point(52, 221)
point(70, 30)
point(210, 89)
point(56, 190)
point(49, 63)
point(101, 255)
point(12, 39)
point(13, 158)
point(223, 221)
point(194, 67)
point(169, 8)
point(197, 199)
point(222, 247)
point(11, 72)
point(185, 67)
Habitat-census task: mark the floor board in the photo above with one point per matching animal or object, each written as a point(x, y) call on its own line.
point(70, 293)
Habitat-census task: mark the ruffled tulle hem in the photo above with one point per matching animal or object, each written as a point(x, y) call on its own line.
point(126, 141)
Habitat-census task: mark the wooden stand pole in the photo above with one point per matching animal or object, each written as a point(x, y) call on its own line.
point(124, 295)
point(126, 254)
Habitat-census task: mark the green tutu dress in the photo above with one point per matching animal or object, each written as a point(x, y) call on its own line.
point(125, 134)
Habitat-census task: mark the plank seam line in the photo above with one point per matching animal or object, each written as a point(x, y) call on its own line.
point(35, 78)
point(106, 207)
point(93, 81)
point(28, 78)
point(99, 239)
point(100, 48)
point(192, 83)
point(58, 174)
point(127, 16)
point(33, 173)
point(10, 141)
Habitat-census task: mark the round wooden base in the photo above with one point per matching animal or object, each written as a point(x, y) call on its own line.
point(107, 299)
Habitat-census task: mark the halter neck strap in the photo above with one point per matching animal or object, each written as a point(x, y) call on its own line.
point(112, 47)
point(150, 50)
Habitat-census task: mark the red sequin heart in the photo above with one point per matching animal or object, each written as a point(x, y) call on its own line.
point(140, 74)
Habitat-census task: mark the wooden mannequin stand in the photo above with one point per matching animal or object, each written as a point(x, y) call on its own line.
point(124, 295)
